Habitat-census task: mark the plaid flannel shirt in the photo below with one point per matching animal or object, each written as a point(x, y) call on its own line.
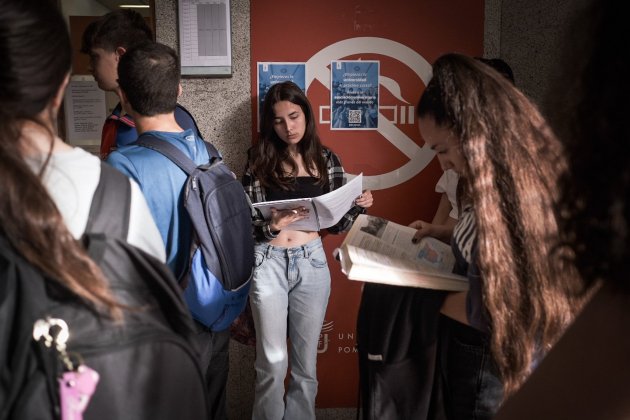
point(336, 178)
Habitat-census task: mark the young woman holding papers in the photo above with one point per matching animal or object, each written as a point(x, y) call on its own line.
point(291, 281)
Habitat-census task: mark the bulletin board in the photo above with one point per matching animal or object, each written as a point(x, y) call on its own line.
point(405, 38)
point(205, 37)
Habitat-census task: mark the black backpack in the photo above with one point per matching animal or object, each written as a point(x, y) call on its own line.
point(148, 365)
point(217, 280)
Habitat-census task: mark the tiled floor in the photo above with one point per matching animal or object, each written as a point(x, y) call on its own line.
point(336, 414)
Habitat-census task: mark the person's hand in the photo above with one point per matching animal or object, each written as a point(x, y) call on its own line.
point(423, 229)
point(365, 200)
point(280, 219)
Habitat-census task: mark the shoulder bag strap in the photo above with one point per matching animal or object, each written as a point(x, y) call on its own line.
point(110, 209)
point(170, 151)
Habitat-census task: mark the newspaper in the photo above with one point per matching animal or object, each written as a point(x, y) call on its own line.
point(323, 211)
point(380, 251)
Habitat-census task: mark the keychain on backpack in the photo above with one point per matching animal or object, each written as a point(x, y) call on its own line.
point(78, 382)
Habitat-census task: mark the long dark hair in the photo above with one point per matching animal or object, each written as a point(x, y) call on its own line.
point(513, 162)
point(269, 154)
point(35, 47)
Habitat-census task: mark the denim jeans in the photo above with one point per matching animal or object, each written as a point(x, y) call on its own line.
point(471, 385)
point(288, 298)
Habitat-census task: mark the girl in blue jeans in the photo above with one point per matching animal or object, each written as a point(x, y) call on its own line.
point(291, 282)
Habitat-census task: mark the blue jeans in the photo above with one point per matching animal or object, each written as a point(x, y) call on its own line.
point(289, 295)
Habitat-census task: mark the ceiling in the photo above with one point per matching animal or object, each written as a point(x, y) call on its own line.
point(114, 4)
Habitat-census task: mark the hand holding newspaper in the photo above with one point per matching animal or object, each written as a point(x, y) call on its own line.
point(323, 211)
point(379, 251)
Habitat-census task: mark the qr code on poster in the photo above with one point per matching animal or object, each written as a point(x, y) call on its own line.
point(354, 116)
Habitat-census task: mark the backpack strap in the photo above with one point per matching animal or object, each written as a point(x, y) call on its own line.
point(180, 114)
point(174, 154)
point(180, 159)
point(110, 209)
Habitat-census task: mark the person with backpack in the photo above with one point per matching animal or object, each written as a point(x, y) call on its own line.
point(291, 282)
point(54, 242)
point(105, 40)
point(149, 79)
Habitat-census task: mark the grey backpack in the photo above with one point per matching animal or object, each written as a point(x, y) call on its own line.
point(217, 280)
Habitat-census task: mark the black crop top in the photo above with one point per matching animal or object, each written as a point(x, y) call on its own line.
point(305, 187)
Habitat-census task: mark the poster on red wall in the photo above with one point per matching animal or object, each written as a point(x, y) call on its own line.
point(354, 95)
point(404, 37)
point(271, 73)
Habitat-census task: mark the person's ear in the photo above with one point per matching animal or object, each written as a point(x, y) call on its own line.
point(179, 90)
point(120, 51)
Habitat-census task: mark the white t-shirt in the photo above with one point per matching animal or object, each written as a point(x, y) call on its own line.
point(71, 178)
point(448, 184)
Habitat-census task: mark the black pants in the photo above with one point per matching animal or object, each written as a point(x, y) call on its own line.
point(215, 362)
point(467, 378)
point(397, 332)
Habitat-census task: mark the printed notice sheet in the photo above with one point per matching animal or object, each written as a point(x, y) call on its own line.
point(271, 73)
point(354, 95)
point(323, 211)
point(205, 36)
point(85, 111)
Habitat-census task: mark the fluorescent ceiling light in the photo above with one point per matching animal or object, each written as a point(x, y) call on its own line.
point(134, 6)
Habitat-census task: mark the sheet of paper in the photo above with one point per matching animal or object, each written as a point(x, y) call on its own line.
point(85, 112)
point(354, 95)
point(204, 33)
point(364, 257)
point(309, 223)
point(270, 73)
point(384, 237)
point(324, 211)
point(332, 206)
point(363, 265)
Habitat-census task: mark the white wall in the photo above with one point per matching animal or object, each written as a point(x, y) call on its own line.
point(82, 8)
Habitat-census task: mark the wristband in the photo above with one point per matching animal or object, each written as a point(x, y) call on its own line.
point(269, 233)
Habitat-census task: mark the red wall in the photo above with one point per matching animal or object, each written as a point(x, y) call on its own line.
point(392, 157)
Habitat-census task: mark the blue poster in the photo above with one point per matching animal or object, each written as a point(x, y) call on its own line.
point(271, 73)
point(354, 95)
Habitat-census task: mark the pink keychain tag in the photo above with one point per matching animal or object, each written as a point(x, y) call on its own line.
point(76, 388)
